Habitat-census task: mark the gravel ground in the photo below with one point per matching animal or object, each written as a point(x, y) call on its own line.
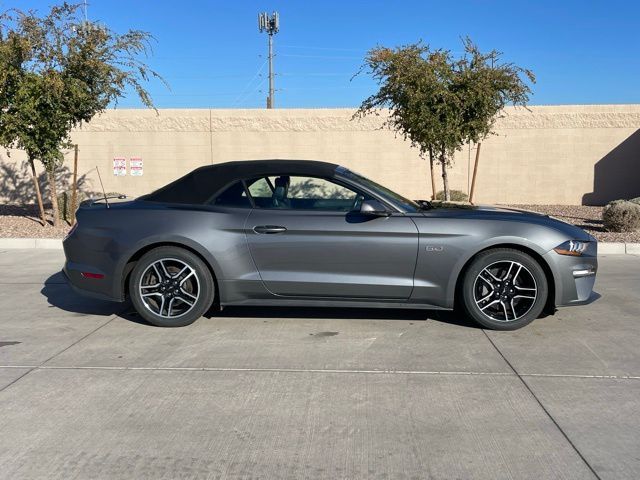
point(587, 218)
point(22, 222)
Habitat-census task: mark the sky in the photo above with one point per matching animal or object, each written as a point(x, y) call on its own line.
point(213, 56)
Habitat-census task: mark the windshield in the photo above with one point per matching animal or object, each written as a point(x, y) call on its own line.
point(393, 197)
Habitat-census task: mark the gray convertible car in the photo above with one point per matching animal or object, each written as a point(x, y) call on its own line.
point(306, 233)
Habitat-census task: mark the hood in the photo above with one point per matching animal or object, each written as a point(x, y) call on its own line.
point(491, 212)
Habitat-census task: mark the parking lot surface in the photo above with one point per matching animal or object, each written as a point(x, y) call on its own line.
point(87, 390)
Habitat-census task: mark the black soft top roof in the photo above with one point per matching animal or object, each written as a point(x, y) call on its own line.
point(199, 185)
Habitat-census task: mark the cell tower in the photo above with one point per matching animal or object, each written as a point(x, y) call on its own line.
point(271, 25)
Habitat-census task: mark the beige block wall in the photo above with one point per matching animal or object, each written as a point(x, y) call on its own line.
point(548, 154)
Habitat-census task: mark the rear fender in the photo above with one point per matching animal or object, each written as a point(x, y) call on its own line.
point(124, 266)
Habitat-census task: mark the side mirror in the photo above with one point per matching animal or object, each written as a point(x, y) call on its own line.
point(374, 208)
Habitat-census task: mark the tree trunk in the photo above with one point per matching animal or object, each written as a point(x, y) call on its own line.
point(51, 175)
point(36, 185)
point(445, 177)
point(74, 188)
point(433, 175)
point(475, 172)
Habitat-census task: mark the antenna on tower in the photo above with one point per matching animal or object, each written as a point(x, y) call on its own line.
point(271, 25)
point(84, 8)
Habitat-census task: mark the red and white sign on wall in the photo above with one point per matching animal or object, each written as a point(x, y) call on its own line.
point(135, 166)
point(119, 166)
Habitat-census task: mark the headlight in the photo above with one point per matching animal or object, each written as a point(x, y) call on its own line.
point(574, 248)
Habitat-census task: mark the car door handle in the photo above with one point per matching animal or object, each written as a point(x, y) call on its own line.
point(269, 229)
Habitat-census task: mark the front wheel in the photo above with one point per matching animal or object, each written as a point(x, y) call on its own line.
point(171, 287)
point(504, 289)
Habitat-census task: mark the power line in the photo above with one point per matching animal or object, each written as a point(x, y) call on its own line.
point(327, 57)
point(253, 92)
point(216, 94)
point(204, 77)
point(329, 88)
point(246, 88)
point(326, 48)
point(321, 74)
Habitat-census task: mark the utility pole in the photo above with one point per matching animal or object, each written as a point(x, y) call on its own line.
point(271, 25)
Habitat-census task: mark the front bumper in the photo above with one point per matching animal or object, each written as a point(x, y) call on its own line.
point(574, 277)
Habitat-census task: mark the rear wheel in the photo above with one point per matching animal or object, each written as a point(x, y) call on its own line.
point(171, 287)
point(504, 289)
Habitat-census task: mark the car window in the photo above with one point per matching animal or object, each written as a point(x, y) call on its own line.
point(303, 193)
point(319, 189)
point(233, 196)
point(384, 192)
point(260, 188)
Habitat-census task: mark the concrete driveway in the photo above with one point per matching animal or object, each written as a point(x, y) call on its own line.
point(89, 391)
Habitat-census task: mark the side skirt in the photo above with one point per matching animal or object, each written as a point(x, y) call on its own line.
point(281, 302)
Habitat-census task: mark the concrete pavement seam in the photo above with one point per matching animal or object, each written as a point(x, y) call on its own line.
point(38, 367)
point(258, 370)
point(113, 317)
point(544, 409)
point(319, 370)
point(15, 380)
point(577, 375)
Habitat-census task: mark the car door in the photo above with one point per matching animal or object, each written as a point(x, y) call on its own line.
point(308, 239)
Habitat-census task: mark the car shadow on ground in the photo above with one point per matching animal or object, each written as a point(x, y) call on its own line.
point(350, 313)
point(59, 294)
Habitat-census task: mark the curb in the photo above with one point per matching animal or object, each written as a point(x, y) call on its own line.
point(39, 243)
point(618, 248)
point(604, 248)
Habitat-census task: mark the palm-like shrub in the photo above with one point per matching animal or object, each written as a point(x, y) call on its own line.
point(67, 213)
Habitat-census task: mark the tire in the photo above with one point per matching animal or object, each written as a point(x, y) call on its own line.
point(504, 289)
point(171, 287)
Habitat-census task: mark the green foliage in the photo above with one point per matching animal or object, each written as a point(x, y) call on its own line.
point(438, 102)
point(485, 85)
point(621, 216)
point(414, 84)
point(455, 196)
point(57, 71)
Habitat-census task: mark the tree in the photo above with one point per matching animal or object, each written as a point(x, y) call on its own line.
point(437, 102)
point(485, 85)
point(56, 72)
point(413, 82)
